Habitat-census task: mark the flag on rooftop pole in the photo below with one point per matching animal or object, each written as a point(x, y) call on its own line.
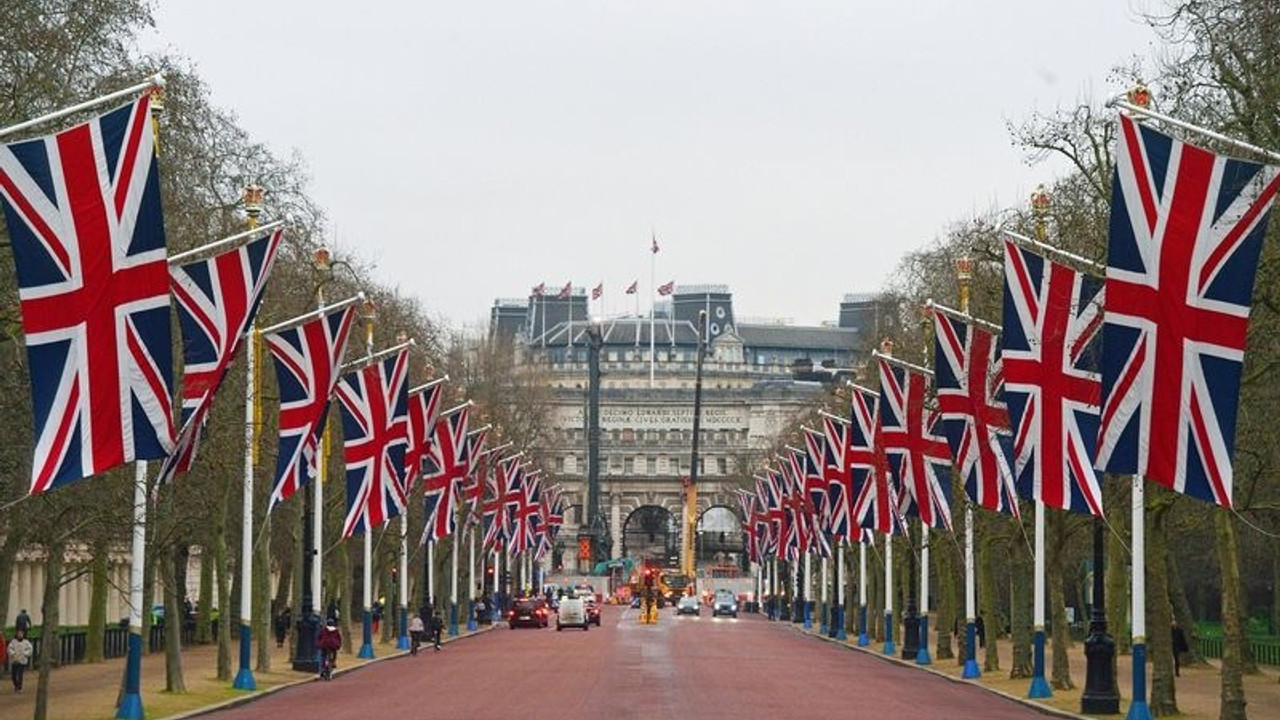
point(633, 288)
point(83, 213)
point(307, 359)
point(565, 292)
point(1050, 347)
point(597, 292)
point(374, 401)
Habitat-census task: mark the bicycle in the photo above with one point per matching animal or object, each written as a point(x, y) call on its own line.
point(326, 664)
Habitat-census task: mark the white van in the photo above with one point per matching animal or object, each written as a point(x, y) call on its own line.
point(573, 613)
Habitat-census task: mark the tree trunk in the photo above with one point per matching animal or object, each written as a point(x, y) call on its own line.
point(1060, 634)
point(174, 617)
point(204, 616)
point(1021, 572)
point(946, 616)
point(989, 604)
point(1232, 706)
point(49, 630)
point(221, 572)
point(1164, 696)
point(96, 634)
point(1117, 569)
point(262, 608)
point(8, 551)
point(1275, 587)
point(1182, 613)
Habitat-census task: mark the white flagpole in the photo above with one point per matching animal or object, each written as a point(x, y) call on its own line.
point(971, 670)
point(156, 80)
point(863, 640)
point(841, 634)
point(431, 580)
point(471, 579)
point(402, 641)
point(889, 647)
point(808, 591)
point(922, 655)
point(570, 329)
point(244, 679)
point(366, 621)
point(131, 702)
point(1039, 686)
point(653, 293)
point(453, 586)
point(1138, 709)
point(825, 619)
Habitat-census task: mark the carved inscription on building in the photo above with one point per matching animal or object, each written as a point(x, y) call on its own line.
point(658, 417)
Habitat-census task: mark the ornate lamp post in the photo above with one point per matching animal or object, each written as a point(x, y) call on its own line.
point(369, 313)
point(252, 197)
point(1040, 204)
point(964, 275)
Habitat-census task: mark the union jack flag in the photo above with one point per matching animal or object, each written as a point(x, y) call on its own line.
point(524, 509)
point(918, 457)
point(497, 515)
point(819, 469)
point(1182, 252)
point(444, 466)
point(875, 506)
point(471, 488)
point(749, 527)
point(838, 470)
point(83, 213)
point(974, 416)
point(424, 410)
point(218, 299)
point(796, 535)
point(770, 517)
point(307, 359)
point(1049, 346)
point(375, 430)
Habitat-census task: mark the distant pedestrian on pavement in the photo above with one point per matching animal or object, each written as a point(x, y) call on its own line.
point(437, 627)
point(19, 657)
point(284, 620)
point(416, 630)
point(329, 641)
point(23, 622)
point(376, 615)
point(1179, 646)
point(980, 629)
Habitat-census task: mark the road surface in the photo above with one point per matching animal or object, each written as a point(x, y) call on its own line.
point(696, 668)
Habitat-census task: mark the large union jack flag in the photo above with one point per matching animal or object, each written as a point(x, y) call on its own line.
point(218, 299)
point(975, 418)
point(838, 471)
point(1182, 253)
point(375, 430)
point(1049, 346)
point(444, 466)
point(524, 511)
point(307, 359)
point(424, 410)
point(918, 457)
point(503, 487)
point(874, 507)
point(471, 488)
point(83, 213)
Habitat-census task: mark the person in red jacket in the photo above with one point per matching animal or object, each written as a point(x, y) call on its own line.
point(328, 641)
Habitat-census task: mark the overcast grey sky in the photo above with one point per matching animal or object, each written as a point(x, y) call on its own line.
point(792, 150)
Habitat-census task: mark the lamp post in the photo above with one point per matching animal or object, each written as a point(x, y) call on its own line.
point(964, 274)
point(369, 312)
point(1040, 204)
point(401, 578)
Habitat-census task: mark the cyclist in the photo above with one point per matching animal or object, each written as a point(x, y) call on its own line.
point(328, 642)
point(416, 630)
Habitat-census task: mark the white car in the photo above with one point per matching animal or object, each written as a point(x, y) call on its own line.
point(573, 613)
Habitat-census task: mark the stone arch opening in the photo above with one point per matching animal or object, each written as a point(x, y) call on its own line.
point(651, 531)
point(719, 545)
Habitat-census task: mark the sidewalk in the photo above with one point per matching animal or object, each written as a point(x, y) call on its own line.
point(88, 691)
point(1198, 689)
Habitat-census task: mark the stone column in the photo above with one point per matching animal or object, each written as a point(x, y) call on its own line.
point(615, 526)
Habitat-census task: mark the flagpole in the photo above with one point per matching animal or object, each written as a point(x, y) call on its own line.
point(890, 648)
point(807, 608)
point(922, 655)
point(824, 619)
point(1039, 686)
point(863, 640)
point(497, 570)
point(254, 232)
point(453, 587)
point(964, 273)
point(402, 640)
point(366, 620)
point(1138, 709)
point(838, 619)
point(471, 579)
point(130, 707)
point(244, 679)
point(155, 81)
point(653, 290)
point(570, 329)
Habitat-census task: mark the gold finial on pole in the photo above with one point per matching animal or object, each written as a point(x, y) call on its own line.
point(369, 311)
point(157, 107)
point(252, 198)
point(964, 274)
point(1041, 201)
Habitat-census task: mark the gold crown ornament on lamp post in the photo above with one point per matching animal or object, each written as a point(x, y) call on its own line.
point(964, 274)
point(1041, 201)
point(252, 198)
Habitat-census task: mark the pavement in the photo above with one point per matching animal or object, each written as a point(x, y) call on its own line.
point(705, 668)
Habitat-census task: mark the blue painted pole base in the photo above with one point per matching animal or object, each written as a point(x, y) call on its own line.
point(841, 634)
point(366, 646)
point(402, 642)
point(131, 702)
point(1138, 709)
point(453, 619)
point(244, 676)
point(971, 670)
point(808, 614)
point(922, 654)
point(471, 617)
point(823, 623)
point(863, 640)
point(1039, 686)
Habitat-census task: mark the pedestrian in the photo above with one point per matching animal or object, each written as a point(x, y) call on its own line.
point(23, 622)
point(1179, 646)
point(437, 627)
point(980, 629)
point(416, 628)
point(284, 620)
point(329, 641)
point(19, 657)
point(376, 613)
point(482, 611)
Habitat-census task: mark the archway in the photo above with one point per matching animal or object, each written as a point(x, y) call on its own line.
point(719, 546)
point(651, 531)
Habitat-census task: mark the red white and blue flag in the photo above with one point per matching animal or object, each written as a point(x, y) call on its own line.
point(919, 460)
point(83, 212)
point(504, 485)
point(1049, 346)
point(375, 429)
point(424, 410)
point(875, 507)
point(218, 299)
point(524, 508)
point(307, 359)
point(444, 467)
point(770, 518)
point(1186, 231)
point(471, 489)
point(975, 420)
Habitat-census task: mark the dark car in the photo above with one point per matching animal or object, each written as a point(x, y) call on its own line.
point(528, 613)
point(725, 603)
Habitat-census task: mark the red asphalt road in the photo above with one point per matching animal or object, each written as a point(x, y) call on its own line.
point(682, 668)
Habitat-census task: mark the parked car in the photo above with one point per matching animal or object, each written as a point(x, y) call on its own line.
point(725, 603)
point(528, 612)
point(688, 605)
point(573, 613)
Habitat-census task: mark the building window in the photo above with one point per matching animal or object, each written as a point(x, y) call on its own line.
point(628, 465)
point(615, 464)
point(651, 466)
point(560, 463)
point(722, 466)
point(571, 464)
